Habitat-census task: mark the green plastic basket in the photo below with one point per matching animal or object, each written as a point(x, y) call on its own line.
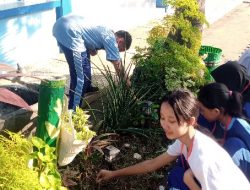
point(213, 54)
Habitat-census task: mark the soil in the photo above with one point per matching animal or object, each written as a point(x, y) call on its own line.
point(82, 172)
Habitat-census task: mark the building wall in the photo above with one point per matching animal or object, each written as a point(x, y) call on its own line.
point(28, 39)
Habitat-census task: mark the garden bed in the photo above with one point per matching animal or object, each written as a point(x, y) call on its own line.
point(82, 172)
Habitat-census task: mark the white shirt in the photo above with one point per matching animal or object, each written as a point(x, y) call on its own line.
point(211, 164)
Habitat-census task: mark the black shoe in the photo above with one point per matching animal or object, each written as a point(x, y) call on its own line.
point(92, 89)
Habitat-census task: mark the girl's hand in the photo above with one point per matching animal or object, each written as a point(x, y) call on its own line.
point(104, 175)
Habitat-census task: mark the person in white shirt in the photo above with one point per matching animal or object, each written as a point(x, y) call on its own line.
point(210, 164)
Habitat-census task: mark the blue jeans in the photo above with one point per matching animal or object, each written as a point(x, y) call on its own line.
point(80, 75)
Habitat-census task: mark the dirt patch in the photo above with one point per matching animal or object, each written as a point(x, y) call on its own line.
point(81, 173)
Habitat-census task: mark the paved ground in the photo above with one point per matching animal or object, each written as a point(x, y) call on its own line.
point(231, 33)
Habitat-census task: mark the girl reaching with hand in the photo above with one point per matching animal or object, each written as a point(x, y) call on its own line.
point(209, 162)
point(224, 107)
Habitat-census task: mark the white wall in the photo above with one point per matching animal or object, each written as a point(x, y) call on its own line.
point(27, 39)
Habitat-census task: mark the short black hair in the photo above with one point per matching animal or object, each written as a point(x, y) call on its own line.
point(127, 37)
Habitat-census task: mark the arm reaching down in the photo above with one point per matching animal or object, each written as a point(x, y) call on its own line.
point(120, 71)
point(140, 168)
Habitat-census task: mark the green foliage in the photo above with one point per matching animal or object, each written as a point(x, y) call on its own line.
point(171, 61)
point(46, 165)
point(14, 158)
point(149, 75)
point(80, 123)
point(16, 154)
point(161, 30)
point(146, 115)
point(182, 67)
point(119, 103)
point(184, 26)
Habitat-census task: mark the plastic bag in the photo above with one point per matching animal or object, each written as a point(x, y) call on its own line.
point(69, 146)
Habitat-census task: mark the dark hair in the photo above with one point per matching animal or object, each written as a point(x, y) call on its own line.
point(217, 95)
point(234, 76)
point(127, 37)
point(183, 103)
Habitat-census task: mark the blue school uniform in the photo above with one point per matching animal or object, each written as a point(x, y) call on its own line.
point(237, 143)
point(246, 110)
point(215, 127)
point(76, 39)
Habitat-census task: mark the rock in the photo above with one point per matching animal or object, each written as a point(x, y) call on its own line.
point(110, 152)
point(161, 187)
point(137, 156)
point(126, 145)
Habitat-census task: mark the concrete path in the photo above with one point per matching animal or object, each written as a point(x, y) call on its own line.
point(230, 33)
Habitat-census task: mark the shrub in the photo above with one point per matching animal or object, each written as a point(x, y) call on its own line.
point(17, 171)
point(14, 158)
point(172, 60)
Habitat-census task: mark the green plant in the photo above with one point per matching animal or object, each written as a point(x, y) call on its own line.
point(16, 169)
point(80, 123)
point(14, 157)
point(172, 61)
point(45, 164)
point(120, 104)
point(148, 75)
point(146, 115)
point(183, 27)
point(182, 67)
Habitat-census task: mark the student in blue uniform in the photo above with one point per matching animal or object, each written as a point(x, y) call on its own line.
point(222, 107)
point(235, 77)
point(218, 103)
point(210, 163)
point(78, 40)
